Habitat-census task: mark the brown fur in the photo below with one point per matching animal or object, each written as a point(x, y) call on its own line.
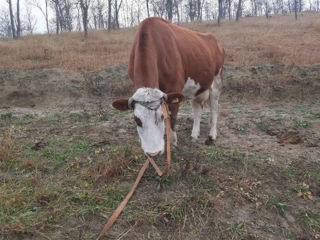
point(164, 55)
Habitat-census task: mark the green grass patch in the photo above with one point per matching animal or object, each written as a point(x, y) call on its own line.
point(314, 115)
point(6, 116)
point(263, 126)
point(311, 219)
point(303, 124)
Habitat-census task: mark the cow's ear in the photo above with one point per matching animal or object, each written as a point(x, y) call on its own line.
point(121, 104)
point(174, 98)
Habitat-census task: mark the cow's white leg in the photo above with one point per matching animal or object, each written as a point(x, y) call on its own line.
point(174, 139)
point(197, 110)
point(214, 94)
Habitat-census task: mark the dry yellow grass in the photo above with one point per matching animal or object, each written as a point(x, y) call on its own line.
point(250, 41)
point(6, 146)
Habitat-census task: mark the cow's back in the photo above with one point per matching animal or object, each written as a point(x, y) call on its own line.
point(164, 55)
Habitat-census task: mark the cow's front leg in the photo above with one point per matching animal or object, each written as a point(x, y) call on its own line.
point(173, 108)
point(214, 94)
point(197, 110)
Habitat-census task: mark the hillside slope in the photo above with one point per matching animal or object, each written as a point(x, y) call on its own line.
point(251, 41)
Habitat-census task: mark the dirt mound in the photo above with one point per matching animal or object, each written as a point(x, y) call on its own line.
point(112, 81)
point(272, 82)
point(56, 87)
point(46, 87)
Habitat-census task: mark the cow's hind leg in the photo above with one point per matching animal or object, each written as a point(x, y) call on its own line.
point(214, 95)
point(197, 110)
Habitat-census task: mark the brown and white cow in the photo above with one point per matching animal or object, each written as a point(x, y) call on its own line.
point(168, 62)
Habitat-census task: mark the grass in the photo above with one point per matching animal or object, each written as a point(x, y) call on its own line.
point(263, 126)
point(300, 123)
point(251, 41)
point(7, 143)
point(36, 194)
point(205, 183)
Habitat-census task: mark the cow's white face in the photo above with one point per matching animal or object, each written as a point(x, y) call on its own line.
point(146, 105)
point(150, 127)
point(149, 119)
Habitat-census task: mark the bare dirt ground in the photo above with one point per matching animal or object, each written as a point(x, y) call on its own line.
point(67, 159)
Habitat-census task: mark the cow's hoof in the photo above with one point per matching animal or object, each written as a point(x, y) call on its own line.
point(194, 140)
point(209, 141)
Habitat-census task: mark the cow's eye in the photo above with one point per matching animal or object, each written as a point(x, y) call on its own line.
point(138, 121)
point(162, 117)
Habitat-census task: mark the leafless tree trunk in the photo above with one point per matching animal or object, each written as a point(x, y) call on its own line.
point(295, 10)
point(289, 6)
point(109, 14)
point(239, 10)
point(56, 4)
point(78, 17)
point(13, 29)
point(191, 10)
point(84, 5)
point(254, 7)
point(116, 12)
point(31, 21)
point(176, 5)
point(147, 2)
point(169, 9)
point(267, 8)
point(219, 11)
point(18, 19)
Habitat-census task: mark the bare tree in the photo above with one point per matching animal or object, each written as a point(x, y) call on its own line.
point(169, 8)
point(55, 5)
point(13, 29)
point(176, 7)
point(78, 27)
point(97, 13)
point(116, 12)
point(159, 7)
point(31, 21)
point(219, 11)
point(109, 14)
point(43, 10)
point(84, 5)
point(239, 10)
point(267, 8)
point(18, 19)
point(191, 10)
point(147, 3)
point(5, 25)
point(254, 7)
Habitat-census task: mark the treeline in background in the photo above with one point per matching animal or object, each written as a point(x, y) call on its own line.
point(80, 15)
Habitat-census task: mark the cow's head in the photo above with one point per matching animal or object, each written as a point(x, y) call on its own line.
point(146, 105)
